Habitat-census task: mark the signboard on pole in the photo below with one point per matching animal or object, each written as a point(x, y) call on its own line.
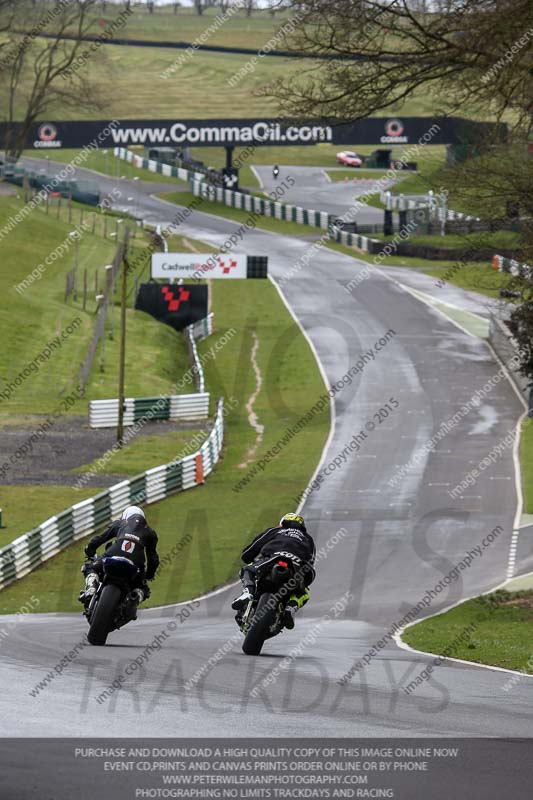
point(177, 306)
point(170, 266)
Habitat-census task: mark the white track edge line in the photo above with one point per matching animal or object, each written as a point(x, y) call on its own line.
point(332, 415)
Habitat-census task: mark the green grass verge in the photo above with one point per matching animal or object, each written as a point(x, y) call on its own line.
point(24, 507)
point(494, 239)
point(526, 461)
point(474, 277)
point(496, 629)
point(146, 452)
point(219, 519)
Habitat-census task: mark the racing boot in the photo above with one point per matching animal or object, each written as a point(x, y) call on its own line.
point(290, 612)
point(243, 599)
point(91, 584)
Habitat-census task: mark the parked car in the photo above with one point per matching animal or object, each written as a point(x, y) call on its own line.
point(349, 159)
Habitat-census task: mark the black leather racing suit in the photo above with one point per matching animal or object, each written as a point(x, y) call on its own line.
point(276, 540)
point(133, 540)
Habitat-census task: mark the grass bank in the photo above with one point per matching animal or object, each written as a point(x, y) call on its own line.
point(494, 629)
point(156, 355)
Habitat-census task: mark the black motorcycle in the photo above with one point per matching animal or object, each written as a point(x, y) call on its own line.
point(262, 618)
point(114, 603)
point(275, 171)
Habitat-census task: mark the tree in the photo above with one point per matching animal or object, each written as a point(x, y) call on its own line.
point(371, 56)
point(36, 72)
point(478, 52)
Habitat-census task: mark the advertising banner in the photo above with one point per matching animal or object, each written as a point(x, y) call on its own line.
point(54, 134)
point(198, 265)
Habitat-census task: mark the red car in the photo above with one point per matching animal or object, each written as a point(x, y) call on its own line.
point(349, 158)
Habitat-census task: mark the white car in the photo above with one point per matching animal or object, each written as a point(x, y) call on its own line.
point(349, 159)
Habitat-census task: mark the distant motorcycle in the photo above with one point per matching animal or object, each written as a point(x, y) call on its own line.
point(262, 618)
point(275, 171)
point(114, 602)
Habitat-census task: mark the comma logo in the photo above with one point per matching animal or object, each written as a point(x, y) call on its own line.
point(394, 127)
point(47, 132)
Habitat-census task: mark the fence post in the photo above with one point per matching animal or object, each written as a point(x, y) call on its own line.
point(122, 358)
point(84, 288)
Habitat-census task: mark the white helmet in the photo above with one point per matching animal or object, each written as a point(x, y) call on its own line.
point(132, 511)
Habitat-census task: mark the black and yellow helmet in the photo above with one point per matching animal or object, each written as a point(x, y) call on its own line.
point(292, 521)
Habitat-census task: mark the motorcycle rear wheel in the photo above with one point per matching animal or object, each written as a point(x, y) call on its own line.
point(258, 631)
point(102, 620)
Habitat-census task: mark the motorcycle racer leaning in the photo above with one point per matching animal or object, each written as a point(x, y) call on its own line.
point(290, 536)
point(135, 541)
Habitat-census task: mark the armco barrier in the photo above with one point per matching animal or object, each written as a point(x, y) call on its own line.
point(511, 266)
point(260, 205)
point(33, 548)
point(104, 413)
point(202, 328)
point(155, 166)
point(401, 202)
point(363, 243)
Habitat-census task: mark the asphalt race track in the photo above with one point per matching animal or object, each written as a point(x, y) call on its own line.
point(395, 543)
point(313, 189)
